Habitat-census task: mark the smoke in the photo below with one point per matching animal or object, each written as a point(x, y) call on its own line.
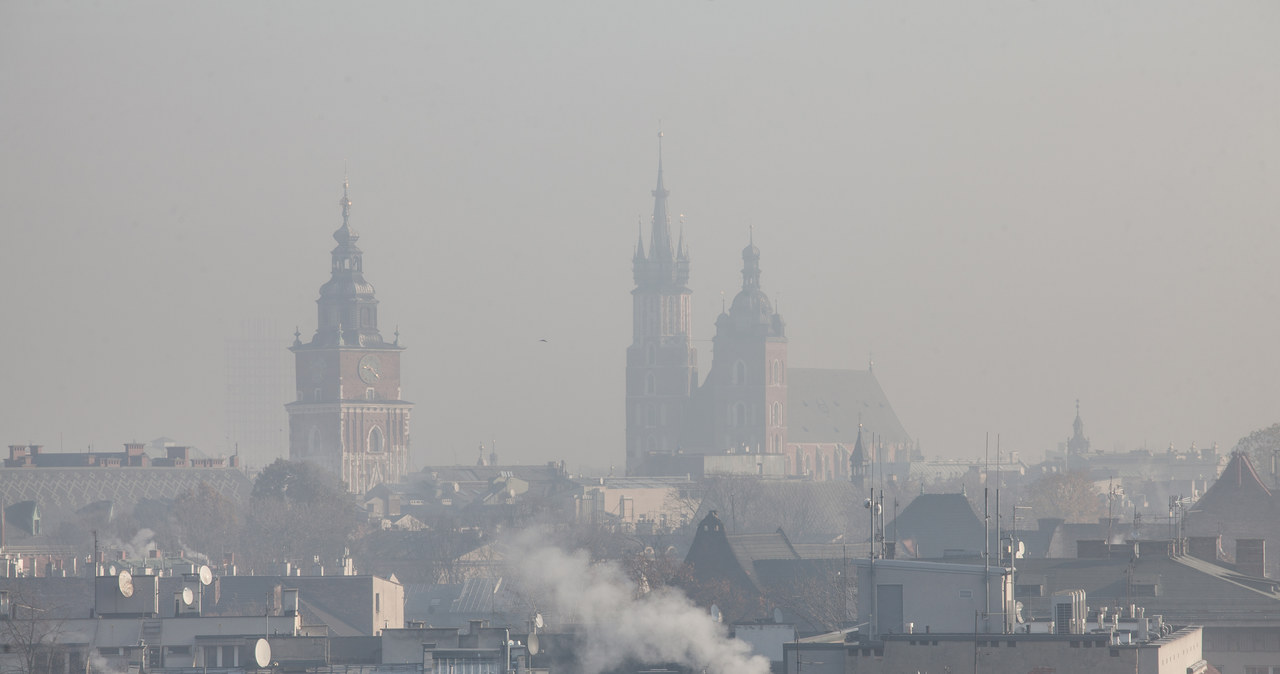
point(617, 624)
point(135, 548)
point(100, 665)
point(138, 547)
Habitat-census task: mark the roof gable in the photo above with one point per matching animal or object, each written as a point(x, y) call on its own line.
point(828, 405)
point(1238, 486)
point(935, 523)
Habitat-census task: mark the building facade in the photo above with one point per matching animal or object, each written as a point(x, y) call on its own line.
point(348, 415)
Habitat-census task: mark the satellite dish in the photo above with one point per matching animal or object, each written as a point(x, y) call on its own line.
point(1017, 611)
point(533, 644)
point(537, 620)
point(206, 574)
point(262, 653)
point(188, 597)
point(777, 616)
point(125, 582)
point(715, 613)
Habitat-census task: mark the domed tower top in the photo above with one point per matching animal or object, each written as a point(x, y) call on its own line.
point(751, 309)
point(347, 308)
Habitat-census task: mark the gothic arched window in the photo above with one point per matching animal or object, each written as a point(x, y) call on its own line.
point(375, 440)
point(739, 373)
point(650, 384)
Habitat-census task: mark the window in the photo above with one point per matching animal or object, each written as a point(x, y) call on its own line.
point(739, 373)
point(651, 355)
point(775, 414)
point(650, 384)
point(375, 440)
point(369, 394)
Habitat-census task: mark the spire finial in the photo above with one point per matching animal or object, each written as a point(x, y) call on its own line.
point(346, 200)
point(751, 234)
point(660, 243)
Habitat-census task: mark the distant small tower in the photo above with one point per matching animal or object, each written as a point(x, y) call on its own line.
point(1078, 444)
point(858, 462)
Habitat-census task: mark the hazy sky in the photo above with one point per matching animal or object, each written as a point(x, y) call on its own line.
point(1009, 205)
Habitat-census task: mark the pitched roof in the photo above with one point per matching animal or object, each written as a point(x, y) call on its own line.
point(827, 406)
point(1237, 486)
point(935, 523)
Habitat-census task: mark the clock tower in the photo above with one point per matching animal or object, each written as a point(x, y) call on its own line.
point(348, 416)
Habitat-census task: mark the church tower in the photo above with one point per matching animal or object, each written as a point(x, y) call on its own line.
point(1078, 444)
point(348, 416)
point(746, 390)
point(662, 365)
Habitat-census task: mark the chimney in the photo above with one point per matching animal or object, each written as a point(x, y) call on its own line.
point(1155, 548)
point(1204, 547)
point(1251, 557)
point(1086, 549)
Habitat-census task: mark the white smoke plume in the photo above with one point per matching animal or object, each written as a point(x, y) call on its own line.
point(617, 624)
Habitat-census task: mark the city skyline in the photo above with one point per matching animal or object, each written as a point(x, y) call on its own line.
point(1005, 209)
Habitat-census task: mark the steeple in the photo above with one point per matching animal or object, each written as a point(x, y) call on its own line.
point(347, 299)
point(660, 243)
point(1078, 444)
point(665, 265)
point(639, 241)
point(345, 234)
point(751, 263)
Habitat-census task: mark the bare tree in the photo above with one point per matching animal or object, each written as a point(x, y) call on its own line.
point(32, 637)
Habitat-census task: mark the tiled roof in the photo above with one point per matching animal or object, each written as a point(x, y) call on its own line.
point(935, 523)
point(60, 492)
point(827, 406)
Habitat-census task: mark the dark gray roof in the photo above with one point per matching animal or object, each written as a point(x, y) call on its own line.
point(750, 547)
point(62, 491)
point(827, 405)
point(932, 524)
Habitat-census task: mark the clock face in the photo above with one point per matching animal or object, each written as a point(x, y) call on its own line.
point(370, 369)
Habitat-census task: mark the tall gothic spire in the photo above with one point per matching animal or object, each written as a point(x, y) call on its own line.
point(660, 244)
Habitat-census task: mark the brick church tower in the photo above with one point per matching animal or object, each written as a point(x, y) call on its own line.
point(662, 365)
point(348, 416)
point(745, 393)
